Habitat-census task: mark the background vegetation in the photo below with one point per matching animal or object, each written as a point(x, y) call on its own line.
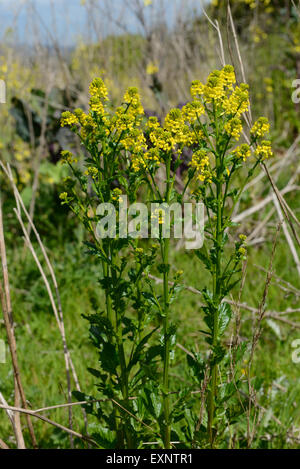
point(161, 60)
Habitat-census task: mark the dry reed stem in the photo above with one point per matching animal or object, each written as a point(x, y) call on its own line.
point(256, 335)
point(286, 210)
point(257, 207)
point(51, 422)
point(287, 235)
point(34, 255)
point(8, 320)
point(272, 314)
point(15, 422)
point(58, 313)
point(3, 445)
point(15, 418)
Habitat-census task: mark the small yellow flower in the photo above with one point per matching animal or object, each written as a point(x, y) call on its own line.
point(193, 110)
point(116, 195)
point(96, 105)
point(63, 196)
point(243, 151)
point(197, 89)
point(261, 127)
point(238, 101)
point(200, 162)
point(67, 118)
point(98, 88)
point(132, 98)
point(214, 88)
point(152, 68)
point(92, 171)
point(228, 75)
point(234, 128)
point(264, 150)
point(68, 157)
point(159, 214)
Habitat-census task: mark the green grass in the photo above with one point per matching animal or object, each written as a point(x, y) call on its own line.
point(40, 349)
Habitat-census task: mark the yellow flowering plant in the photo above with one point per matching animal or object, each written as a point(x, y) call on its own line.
point(127, 154)
point(119, 335)
point(211, 127)
point(217, 164)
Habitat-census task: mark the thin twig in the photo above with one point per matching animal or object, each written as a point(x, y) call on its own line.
point(51, 422)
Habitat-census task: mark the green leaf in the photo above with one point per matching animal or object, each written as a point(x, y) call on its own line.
point(109, 358)
point(156, 404)
point(95, 373)
point(104, 437)
point(224, 314)
point(150, 298)
point(139, 349)
point(197, 366)
point(26, 195)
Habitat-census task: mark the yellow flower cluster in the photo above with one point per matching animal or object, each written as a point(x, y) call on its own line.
point(123, 126)
point(80, 115)
point(228, 74)
point(234, 127)
point(96, 105)
point(218, 84)
point(174, 121)
point(122, 121)
point(127, 119)
point(238, 101)
point(159, 214)
point(67, 118)
point(261, 127)
point(63, 196)
point(243, 151)
point(174, 135)
point(87, 127)
point(68, 157)
point(133, 101)
point(116, 195)
point(200, 162)
point(145, 160)
point(220, 99)
point(135, 141)
point(197, 89)
point(72, 120)
point(152, 68)
point(193, 110)
point(92, 171)
point(214, 88)
point(162, 140)
point(264, 150)
point(138, 162)
point(98, 89)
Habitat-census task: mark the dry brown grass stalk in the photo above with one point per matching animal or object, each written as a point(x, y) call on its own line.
point(9, 326)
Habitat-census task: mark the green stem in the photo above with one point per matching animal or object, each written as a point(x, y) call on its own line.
point(216, 300)
point(165, 256)
point(123, 377)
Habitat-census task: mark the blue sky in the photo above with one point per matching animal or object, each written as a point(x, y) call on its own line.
point(68, 16)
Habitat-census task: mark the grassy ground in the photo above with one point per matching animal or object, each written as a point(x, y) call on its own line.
point(39, 342)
